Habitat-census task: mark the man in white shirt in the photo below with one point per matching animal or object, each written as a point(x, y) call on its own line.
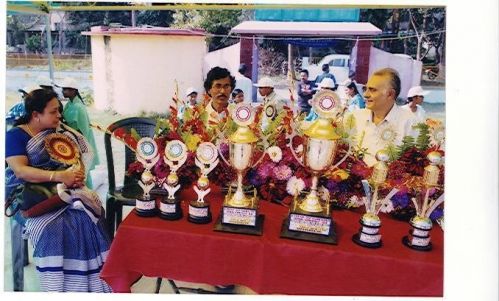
point(382, 122)
point(218, 85)
point(244, 83)
point(415, 98)
point(272, 105)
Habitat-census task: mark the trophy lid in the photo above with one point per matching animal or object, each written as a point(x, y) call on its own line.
point(322, 129)
point(243, 134)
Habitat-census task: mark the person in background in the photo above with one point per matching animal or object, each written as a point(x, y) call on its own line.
point(325, 74)
point(244, 83)
point(382, 122)
point(218, 84)
point(326, 84)
point(76, 116)
point(415, 98)
point(192, 95)
point(237, 97)
point(272, 105)
point(66, 228)
point(356, 101)
point(304, 89)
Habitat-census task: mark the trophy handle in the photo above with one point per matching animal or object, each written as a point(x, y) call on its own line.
point(265, 146)
point(220, 153)
point(342, 159)
point(290, 145)
point(434, 205)
point(148, 165)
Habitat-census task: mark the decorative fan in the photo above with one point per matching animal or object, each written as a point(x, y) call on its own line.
point(62, 149)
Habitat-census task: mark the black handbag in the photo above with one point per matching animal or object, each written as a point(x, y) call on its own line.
point(27, 195)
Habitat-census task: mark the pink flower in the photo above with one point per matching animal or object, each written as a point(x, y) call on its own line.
point(265, 170)
point(282, 172)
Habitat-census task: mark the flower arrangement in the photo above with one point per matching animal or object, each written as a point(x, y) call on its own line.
point(407, 168)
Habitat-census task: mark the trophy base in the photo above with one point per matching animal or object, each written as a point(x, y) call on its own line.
point(257, 229)
point(146, 213)
point(145, 207)
point(199, 213)
point(330, 238)
point(170, 210)
point(373, 245)
point(407, 242)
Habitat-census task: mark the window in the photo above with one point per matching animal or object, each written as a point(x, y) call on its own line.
point(337, 63)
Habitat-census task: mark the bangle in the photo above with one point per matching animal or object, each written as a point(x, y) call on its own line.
point(52, 176)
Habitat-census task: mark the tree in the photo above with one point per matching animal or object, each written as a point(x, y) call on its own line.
point(18, 24)
point(218, 23)
point(34, 44)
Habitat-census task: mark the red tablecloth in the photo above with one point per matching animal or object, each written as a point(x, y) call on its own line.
point(268, 264)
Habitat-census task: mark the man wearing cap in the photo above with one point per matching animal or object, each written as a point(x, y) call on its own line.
point(218, 84)
point(76, 116)
point(244, 83)
point(415, 98)
point(382, 122)
point(191, 94)
point(325, 74)
point(272, 105)
point(304, 91)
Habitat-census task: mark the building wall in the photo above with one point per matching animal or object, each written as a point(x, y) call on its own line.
point(137, 73)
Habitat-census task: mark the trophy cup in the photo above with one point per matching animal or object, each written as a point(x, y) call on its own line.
point(368, 235)
point(147, 155)
point(240, 211)
point(175, 156)
point(206, 160)
point(308, 219)
point(419, 235)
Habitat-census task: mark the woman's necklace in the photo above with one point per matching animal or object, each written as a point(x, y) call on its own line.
point(29, 130)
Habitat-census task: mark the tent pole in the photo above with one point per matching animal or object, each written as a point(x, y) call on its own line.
point(49, 47)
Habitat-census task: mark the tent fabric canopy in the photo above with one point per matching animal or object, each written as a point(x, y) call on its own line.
point(270, 28)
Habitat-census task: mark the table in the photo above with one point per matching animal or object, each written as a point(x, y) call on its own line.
point(268, 264)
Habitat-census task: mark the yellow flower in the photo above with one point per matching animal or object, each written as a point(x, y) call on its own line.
point(192, 141)
point(341, 174)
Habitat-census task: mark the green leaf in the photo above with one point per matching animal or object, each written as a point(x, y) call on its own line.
point(423, 139)
point(135, 135)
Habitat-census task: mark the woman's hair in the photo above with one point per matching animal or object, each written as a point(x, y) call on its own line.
point(235, 92)
point(353, 86)
point(35, 101)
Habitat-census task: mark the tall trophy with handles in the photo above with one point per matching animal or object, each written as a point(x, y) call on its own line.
point(175, 156)
point(310, 217)
point(368, 235)
point(206, 160)
point(240, 210)
point(148, 156)
point(419, 236)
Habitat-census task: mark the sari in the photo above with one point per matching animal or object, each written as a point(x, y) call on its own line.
point(70, 243)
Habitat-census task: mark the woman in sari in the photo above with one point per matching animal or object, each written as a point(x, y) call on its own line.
point(65, 228)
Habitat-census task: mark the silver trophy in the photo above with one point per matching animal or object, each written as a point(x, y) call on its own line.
point(240, 209)
point(148, 156)
point(175, 156)
point(309, 218)
point(206, 160)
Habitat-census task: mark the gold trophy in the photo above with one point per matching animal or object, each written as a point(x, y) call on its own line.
point(148, 156)
point(240, 211)
point(368, 235)
point(419, 235)
point(206, 160)
point(309, 218)
point(175, 156)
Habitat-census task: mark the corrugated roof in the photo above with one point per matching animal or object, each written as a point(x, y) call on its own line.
point(268, 28)
point(104, 30)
